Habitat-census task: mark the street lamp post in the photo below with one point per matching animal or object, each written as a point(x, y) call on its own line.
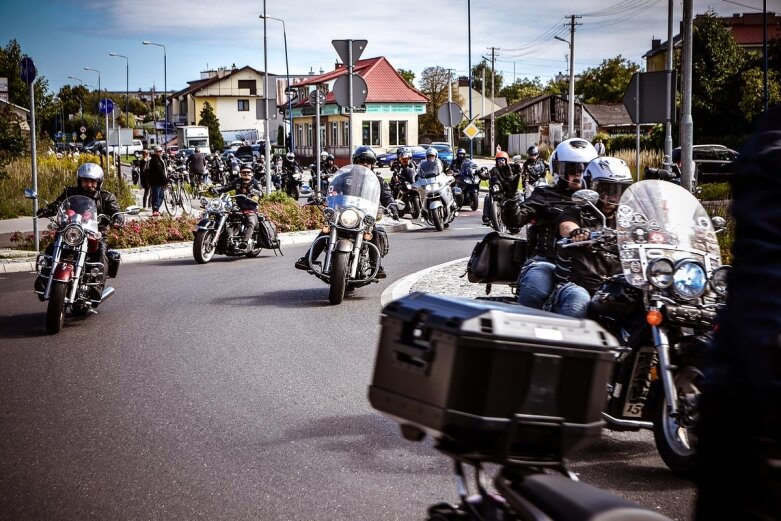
point(127, 86)
point(267, 148)
point(571, 95)
point(165, 83)
point(287, 73)
point(96, 70)
point(81, 100)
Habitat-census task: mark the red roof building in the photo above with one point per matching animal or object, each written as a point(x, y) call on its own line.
point(388, 117)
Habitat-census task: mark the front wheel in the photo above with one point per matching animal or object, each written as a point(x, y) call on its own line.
point(338, 277)
point(169, 201)
point(675, 437)
point(184, 200)
point(436, 217)
point(494, 213)
point(203, 246)
point(414, 204)
point(55, 312)
point(474, 202)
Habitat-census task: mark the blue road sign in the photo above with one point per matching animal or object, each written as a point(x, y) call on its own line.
point(27, 70)
point(106, 106)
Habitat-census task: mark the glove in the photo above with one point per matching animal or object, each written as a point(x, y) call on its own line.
point(394, 210)
point(509, 180)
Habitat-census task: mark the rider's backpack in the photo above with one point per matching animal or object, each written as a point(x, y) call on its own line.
point(267, 233)
point(497, 259)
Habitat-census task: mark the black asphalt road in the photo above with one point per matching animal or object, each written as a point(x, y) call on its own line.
point(232, 390)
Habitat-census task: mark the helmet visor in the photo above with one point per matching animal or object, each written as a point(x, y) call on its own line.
point(566, 168)
point(609, 192)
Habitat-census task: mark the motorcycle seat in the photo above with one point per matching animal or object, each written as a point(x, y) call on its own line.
point(562, 499)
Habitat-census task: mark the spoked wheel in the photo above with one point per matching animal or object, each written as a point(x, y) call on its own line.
point(55, 312)
point(338, 277)
point(495, 215)
point(169, 201)
point(185, 201)
point(436, 216)
point(203, 246)
point(675, 437)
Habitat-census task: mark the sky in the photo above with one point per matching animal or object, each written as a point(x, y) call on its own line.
point(64, 36)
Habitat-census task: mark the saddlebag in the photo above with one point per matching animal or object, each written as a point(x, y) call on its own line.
point(497, 259)
point(267, 233)
point(114, 257)
point(490, 381)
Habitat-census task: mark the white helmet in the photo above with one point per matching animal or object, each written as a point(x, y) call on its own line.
point(431, 151)
point(323, 155)
point(290, 156)
point(572, 155)
point(90, 171)
point(609, 177)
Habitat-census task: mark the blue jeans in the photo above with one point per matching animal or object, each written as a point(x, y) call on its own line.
point(536, 283)
point(570, 300)
point(157, 197)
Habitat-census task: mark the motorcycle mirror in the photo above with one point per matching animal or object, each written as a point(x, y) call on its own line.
point(585, 196)
point(400, 205)
point(719, 223)
point(133, 210)
point(29, 193)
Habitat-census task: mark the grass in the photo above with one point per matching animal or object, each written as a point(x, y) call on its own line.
point(53, 176)
point(652, 158)
point(715, 192)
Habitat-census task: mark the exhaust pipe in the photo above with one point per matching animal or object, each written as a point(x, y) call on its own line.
point(107, 293)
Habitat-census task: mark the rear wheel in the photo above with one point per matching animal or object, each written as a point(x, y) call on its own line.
point(338, 277)
point(55, 312)
point(203, 246)
point(436, 217)
point(169, 201)
point(675, 437)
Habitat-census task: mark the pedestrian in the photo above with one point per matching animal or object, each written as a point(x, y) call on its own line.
point(143, 174)
point(739, 430)
point(600, 147)
point(157, 178)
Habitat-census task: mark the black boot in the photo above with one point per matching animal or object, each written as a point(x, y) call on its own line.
point(381, 273)
point(303, 264)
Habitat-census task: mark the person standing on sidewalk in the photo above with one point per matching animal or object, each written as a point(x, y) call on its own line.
point(143, 176)
point(157, 180)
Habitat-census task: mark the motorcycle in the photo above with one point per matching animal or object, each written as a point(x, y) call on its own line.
point(69, 276)
point(533, 178)
point(662, 309)
point(468, 180)
point(221, 230)
point(218, 173)
point(438, 205)
point(351, 260)
point(403, 191)
point(492, 204)
point(290, 183)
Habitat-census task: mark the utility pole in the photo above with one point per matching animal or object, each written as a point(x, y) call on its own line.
point(571, 95)
point(450, 100)
point(482, 108)
point(687, 124)
point(493, 93)
point(668, 125)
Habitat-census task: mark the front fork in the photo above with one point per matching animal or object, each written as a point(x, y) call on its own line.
point(220, 227)
point(662, 344)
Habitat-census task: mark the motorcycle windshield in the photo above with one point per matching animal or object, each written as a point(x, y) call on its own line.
point(431, 184)
point(660, 219)
point(468, 169)
point(81, 210)
point(429, 168)
point(354, 186)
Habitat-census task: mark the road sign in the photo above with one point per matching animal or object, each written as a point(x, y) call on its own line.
point(73, 137)
point(27, 70)
point(317, 93)
point(106, 106)
point(83, 136)
point(98, 136)
point(652, 90)
point(471, 131)
point(450, 114)
point(82, 129)
point(342, 91)
point(343, 48)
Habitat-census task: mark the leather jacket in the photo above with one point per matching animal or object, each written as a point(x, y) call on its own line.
point(105, 201)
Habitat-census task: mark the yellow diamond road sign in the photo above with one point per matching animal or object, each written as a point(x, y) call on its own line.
point(471, 131)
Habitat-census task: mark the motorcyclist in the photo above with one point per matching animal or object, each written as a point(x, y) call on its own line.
point(406, 171)
point(455, 166)
point(89, 180)
point(543, 210)
point(327, 168)
point(196, 165)
point(534, 168)
point(289, 164)
point(501, 170)
point(431, 166)
point(248, 186)
point(233, 164)
point(364, 156)
point(581, 269)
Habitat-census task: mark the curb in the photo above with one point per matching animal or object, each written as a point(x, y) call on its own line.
point(403, 286)
point(185, 249)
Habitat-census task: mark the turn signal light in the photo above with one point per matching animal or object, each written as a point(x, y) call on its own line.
point(326, 229)
point(367, 236)
point(654, 317)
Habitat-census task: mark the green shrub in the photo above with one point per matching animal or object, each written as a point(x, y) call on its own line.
point(715, 192)
point(288, 215)
point(150, 232)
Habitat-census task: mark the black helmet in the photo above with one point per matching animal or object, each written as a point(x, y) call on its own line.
point(363, 155)
point(533, 151)
point(460, 152)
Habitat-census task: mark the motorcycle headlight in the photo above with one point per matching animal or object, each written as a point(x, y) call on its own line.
point(349, 218)
point(204, 202)
point(73, 235)
point(215, 205)
point(495, 188)
point(689, 280)
point(369, 221)
point(718, 280)
point(660, 272)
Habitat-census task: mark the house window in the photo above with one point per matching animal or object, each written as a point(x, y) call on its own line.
point(345, 132)
point(300, 135)
point(371, 133)
point(334, 134)
point(183, 107)
point(243, 105)
point(308, 130)
point(398, 133)
point(248, 84)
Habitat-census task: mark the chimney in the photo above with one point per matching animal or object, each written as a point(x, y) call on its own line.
point(656, 43)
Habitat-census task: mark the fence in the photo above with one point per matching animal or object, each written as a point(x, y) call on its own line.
point(519, 143)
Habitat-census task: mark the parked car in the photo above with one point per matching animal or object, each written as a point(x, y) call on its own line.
point(247, 153)
point(173, 150)
point(387, 158)
point(137, 146)
point(713, 163)
point(418, 153)
point(445, 153)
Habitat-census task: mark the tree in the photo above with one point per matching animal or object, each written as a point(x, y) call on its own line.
point(607, 82)
point(408, 76)
point(560, 88)
point(12, 141)
point(209, 119)
point(477, 78)
point(434, 84)
point(522, 89)
point(510, 123)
